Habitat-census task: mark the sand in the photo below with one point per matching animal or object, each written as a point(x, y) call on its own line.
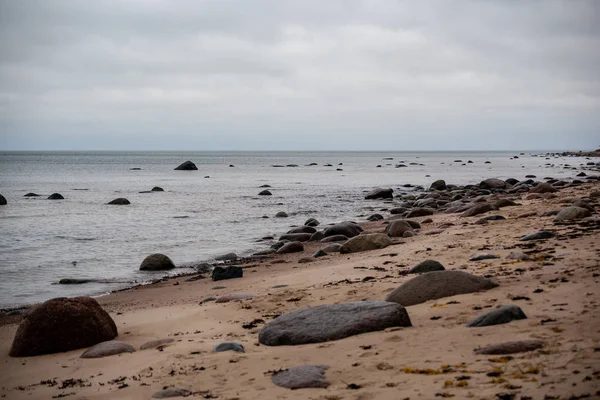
point(558, 291)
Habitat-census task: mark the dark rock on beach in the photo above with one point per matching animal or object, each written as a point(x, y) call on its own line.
point(332, 322)
point(56, 196)
point(366, 242)
point(187, 166)
point(492, 183)
point(222, 273)
point(302, 377)
point(440, 184)
point(291, 247)
point(62, 324)
point(109, 348)
point(398, 228)
point(572, 213)
point(229, 346)
point(538, 236)
point(121, 201)
point(380, 193)
point(156, 262)
point(419, 212)
point(502, 315)
point(426, 266)
point(346, 228)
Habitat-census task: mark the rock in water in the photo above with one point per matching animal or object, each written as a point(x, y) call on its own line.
point(492, 183)
point(62, 324)
point(440, 184)
point(303, 229)
point(3, 201)
point(311, 222)
point(156, 262)
point(157, 189)
point(296, 237)
point(56, 196)
point(334, 238)
point(380, 193)
point(171, 392)
point(538, 236)
point(346, 228)
point(220, 273)
point(436, 285)
point(372, 241)
point(502, 315)
point(304, 376)
point(426, 266)
point(291, 247)
point(572, 213)
point(229, 346)
point(281, 214)
point(265, 193)
point(121, 201)
point(227, 257)
point(332, 322)
point(398, 227)
point(106, 349)
point(187, 166)
point(31, 195)
point(520, 346)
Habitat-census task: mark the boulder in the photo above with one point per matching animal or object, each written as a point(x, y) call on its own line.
point(492, 183)
point(479, 208)
point(157, 189)
point(291, 247)
point(366, 242)
point(520, 346)
point(346, 228)
point(380, 193)
point(440, 184)
point(121, 201)
point(109, 348)
point(543, 188)
point(502, 315)
point(222, 273)
point(583, 204)
point(3, 201)
point(375, 217)
point(398, 227)
point(265, 193)
point(436, 285)
point(229, 346)
point(304, 376)
point(62, 324)
point(156, 262)
point(334, 238)
point(426, 266)
point(56, 196)
point(572, 213)
point(187, 166)
point(317, 236)
point(419, 212)
point(311, 222)
point(538, 236)
point(227, 257)
point(333, 248)
point(511, 181)
point(332, 322)
point(296, 237)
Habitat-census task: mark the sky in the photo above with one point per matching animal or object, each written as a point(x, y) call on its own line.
point(299, 75)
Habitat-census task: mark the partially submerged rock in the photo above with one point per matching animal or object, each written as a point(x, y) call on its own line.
point(304, 376)
point(109, 348)
point(380, 193)
point(121, 201)
point(156, 262)
point(346, 228)
point(222, 273)
point(186, 166)
point(56, 196)
point(502, 315)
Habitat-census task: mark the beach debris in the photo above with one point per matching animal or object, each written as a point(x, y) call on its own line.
point(156, 262)
point(186, 166)
point(426, 266)
point(109, 348)
point(229, 346)
point(372, 241)
point(502, 315)
point(222, 273)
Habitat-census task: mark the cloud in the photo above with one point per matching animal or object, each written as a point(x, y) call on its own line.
point(296, 75)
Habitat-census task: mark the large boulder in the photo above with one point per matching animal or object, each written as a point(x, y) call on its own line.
point(440, 184)
point(332, 322)
point(398, 227)
point(380, 193)
point(187, 166)
point(372, 241)
point(3, 201)
point(436, 285)
point(156, 262)
point(477, 209)
point(346, 228)
point(492, 183)
point(109, 348)
point(572, 213)
point(62, 324)
point(426, 266)
point(502, 315)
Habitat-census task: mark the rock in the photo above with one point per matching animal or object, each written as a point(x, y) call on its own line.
point(317, 236)
point(502, 315)
point(208, 299)
point(121, 201)
point(56, 196)
point(227, 257)
point(583, 204)
point(264, 186)
point(156, 343)
point(511, 181)
point(571, 213)
point(304, 376)
point(543, 188)
point(440, 184)
point(334, 238)
point(229, 346)
point(594, 194)
point(281, 214)
point(426, 266)
point(109, 348)
point(366, 242)
point(156, 262)
point(492, 183)
point(398, 210)
point(346, 228)
point(3, 201)
point(538, 236)
point(332, 322)
point(296, 237)
point(375, 217)
point(436, 285)
point(265, 193)
point(505, 203)
point(477, 209)
point(520, 346)
point(333, 248)
point(380, 194)
point(319, 253)
point(483, 256)
point(187, 166)
point(157, 189)
point(494, 218)
point(203, 268)
point(31, 195)
point(171, 392)
point(397, 228)
point(74, 281)
point(222, 273)
point(311, 222)
point(234, 297)
point(291, 247)
point(62, 324)
point(303, 229)
point(419, 212)
point(517, 255)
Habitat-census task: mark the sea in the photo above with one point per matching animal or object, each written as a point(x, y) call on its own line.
point(200, 214)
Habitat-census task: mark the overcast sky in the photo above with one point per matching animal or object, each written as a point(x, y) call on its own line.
point(324, 75)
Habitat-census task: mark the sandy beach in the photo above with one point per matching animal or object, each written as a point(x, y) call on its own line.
point(556, 287)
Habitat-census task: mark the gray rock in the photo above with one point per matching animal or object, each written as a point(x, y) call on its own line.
point(479, 208)
point(203, 268)
point(317, 236)
point(156, 262)
point(366, 242)
point(440, 184)
point(483, 256)
point(229, 346)
point(319, 253)
point(291, 247)
point(332, 322)
point(572, 213)
point(346, 228)
point(520, 346)
point(171, 392)
point(105, 349)
point(333, 248)
point(304, 376)
point(419, 212)
point(398, 227)
point(380, 194)
point(543, 188)
point(186, 166)
point(121, 201)
point(436, 285)
point(156, 343)
point(502, 315)
point(537, 236)
point(227, 257)
point(426, 266)
point(334, 238)
point(492, 183)
point(296, 237)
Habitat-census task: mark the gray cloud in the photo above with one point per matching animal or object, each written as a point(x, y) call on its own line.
point(299, 74)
